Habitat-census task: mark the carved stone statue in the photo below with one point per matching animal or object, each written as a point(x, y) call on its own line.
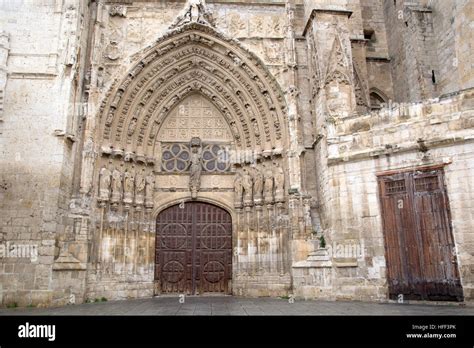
point(194, 11)
point(89, 156)
point(149, 190)
point(268, 184)
point(279, 176)
point(139, 189)
point(238, 191)
point(257, 186)
point(132, 126)
point(195, 167)
point(128, 187)
point(247, 188)
point(116, 186)
point(104, 184)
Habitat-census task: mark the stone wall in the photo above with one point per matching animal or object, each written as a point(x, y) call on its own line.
point(40, 116)
point(452, 23)
point(429, 47)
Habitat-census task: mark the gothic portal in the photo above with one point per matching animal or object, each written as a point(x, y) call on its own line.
point(307, 148)
point(195, 118)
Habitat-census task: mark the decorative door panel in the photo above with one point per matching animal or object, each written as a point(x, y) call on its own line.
point(175, 272)
point(213, 272)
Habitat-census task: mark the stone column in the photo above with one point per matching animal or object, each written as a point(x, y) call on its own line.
point(292, 94)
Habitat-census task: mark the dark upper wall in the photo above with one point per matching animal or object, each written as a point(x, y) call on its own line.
point(430, 47)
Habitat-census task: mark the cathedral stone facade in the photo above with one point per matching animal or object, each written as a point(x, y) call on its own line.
point(316, 149)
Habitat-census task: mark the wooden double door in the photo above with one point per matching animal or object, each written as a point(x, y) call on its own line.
point(420, 250)
point(193, 249)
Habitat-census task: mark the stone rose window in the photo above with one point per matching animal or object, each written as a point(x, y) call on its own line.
point(175, 158)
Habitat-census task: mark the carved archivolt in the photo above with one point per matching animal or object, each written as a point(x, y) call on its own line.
point(193, 59)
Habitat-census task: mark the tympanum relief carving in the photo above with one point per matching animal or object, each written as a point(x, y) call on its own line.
point(195, 117)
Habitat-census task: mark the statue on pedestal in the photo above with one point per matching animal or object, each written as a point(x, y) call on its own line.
point(116, 186)
point(104, 184)
point(247, 187)
point(195, 167)
point(279, 176)
point(128, 187)
point(149, 190)
point(257, 186)
point(139, 188)
point(268, 184)
point(238, 191)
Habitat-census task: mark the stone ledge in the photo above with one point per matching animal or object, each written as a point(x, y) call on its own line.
point(67, 262)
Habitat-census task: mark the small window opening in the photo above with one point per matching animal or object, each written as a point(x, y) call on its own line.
point(369, 35)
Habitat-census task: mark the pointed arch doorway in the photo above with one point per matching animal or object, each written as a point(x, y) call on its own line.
point(193, 250)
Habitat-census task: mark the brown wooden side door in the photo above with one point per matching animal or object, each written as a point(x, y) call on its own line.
point(421, 261)
point(193, 249)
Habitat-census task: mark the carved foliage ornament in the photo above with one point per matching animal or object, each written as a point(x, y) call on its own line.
point(118, 10)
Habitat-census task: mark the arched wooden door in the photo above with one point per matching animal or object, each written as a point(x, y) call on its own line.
point(193, 249)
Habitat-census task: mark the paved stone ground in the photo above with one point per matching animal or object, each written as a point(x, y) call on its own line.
point(241, 306)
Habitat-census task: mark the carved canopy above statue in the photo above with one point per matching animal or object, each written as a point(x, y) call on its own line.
point(194, 59)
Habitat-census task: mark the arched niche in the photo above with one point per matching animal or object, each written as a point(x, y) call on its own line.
point(377, 99)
